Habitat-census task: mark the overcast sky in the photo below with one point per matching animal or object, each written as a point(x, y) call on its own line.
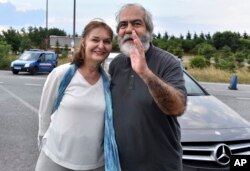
point(173, 16)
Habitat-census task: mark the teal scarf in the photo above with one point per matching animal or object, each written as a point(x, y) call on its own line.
point(111, 157)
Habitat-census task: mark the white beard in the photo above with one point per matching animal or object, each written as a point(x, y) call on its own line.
point(126, 46)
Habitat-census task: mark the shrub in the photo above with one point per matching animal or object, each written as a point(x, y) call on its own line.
point(4, 53)
point(64, 54)
point(198, 62)
point(226, 64)
point(240, 56)
point(5, 63)
point(206, 50)
point(4, 50)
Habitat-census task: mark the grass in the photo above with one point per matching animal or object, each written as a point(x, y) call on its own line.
point(211, 74)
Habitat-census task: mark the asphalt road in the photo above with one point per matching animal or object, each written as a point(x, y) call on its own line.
point(238, 100)
point(19, 102)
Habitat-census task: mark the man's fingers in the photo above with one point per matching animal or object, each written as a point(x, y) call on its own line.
point(133, 53)
point(137, 42)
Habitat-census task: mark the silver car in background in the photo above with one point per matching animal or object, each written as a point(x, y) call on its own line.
point(210, 130)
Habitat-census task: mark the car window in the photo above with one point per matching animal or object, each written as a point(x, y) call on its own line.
point(48, 57)
point(192, 88)
point(28, 56)
point(42, 57)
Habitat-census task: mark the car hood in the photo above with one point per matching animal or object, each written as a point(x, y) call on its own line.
point(208, 119)
point(207, 112)
point(22, 62)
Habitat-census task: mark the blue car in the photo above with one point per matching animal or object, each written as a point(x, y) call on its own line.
point(34, 61)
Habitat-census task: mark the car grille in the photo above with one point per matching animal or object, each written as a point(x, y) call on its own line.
point(19, 65)
point(213, 154)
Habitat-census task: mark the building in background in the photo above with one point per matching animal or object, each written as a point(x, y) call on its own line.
point(63, 41)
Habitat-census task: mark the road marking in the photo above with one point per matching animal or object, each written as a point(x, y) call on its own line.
point(20, 100)
point(33, 78)
point(28, 84)
point(243, 98)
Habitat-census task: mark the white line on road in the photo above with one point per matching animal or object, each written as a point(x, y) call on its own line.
point(20, 100)
point(28, 84)
point(243, 98)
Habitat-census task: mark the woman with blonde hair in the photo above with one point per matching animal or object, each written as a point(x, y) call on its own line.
point(75, 115)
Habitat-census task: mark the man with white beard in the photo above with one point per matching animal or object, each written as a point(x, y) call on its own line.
point(148, 95)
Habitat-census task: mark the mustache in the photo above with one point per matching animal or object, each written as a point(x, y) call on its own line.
point(126, 37)
point(144, 39)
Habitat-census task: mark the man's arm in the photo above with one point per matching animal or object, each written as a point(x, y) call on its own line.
point(170, 100)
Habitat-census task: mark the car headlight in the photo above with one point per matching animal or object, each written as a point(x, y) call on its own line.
point(26, 65)
point(11, 64)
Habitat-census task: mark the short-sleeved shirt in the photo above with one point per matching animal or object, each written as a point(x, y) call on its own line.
point(147, 139)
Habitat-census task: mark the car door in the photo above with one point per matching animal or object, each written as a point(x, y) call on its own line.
point(46, 62)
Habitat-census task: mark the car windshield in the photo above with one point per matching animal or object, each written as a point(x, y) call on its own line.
point(29, 56)
point(192, 88)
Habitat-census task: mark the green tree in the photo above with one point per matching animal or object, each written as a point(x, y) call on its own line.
point(226, 38)
point(245, 35)
point(172, 37)
point(181, 37)
point(202, 36)
point(13, 38)
point(4, 53)
point(206, 50)
point(244, 43)
point(174, 46)
point(224, 64)
point(208, 36)
point(161, 43)
point(225, 59)
point(25, 43)
point(57, 50)
point(37, 36)
point(158, 36)
point(166, 36)
point(4, 49)
point(57, 32)
point(115, 45)
point(240, 57)
point(225, 52)
point(188, 45)
point(188, 36)
point(195, 36)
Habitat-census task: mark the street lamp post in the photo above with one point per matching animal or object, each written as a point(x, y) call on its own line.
point(47, 14)
point(74, 23)
point(47, 37)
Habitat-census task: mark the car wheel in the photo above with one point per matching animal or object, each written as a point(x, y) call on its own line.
point(33, 71)
point(53, 67)
point(15, 71)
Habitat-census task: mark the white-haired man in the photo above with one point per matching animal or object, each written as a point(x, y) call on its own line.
point(148, 95)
